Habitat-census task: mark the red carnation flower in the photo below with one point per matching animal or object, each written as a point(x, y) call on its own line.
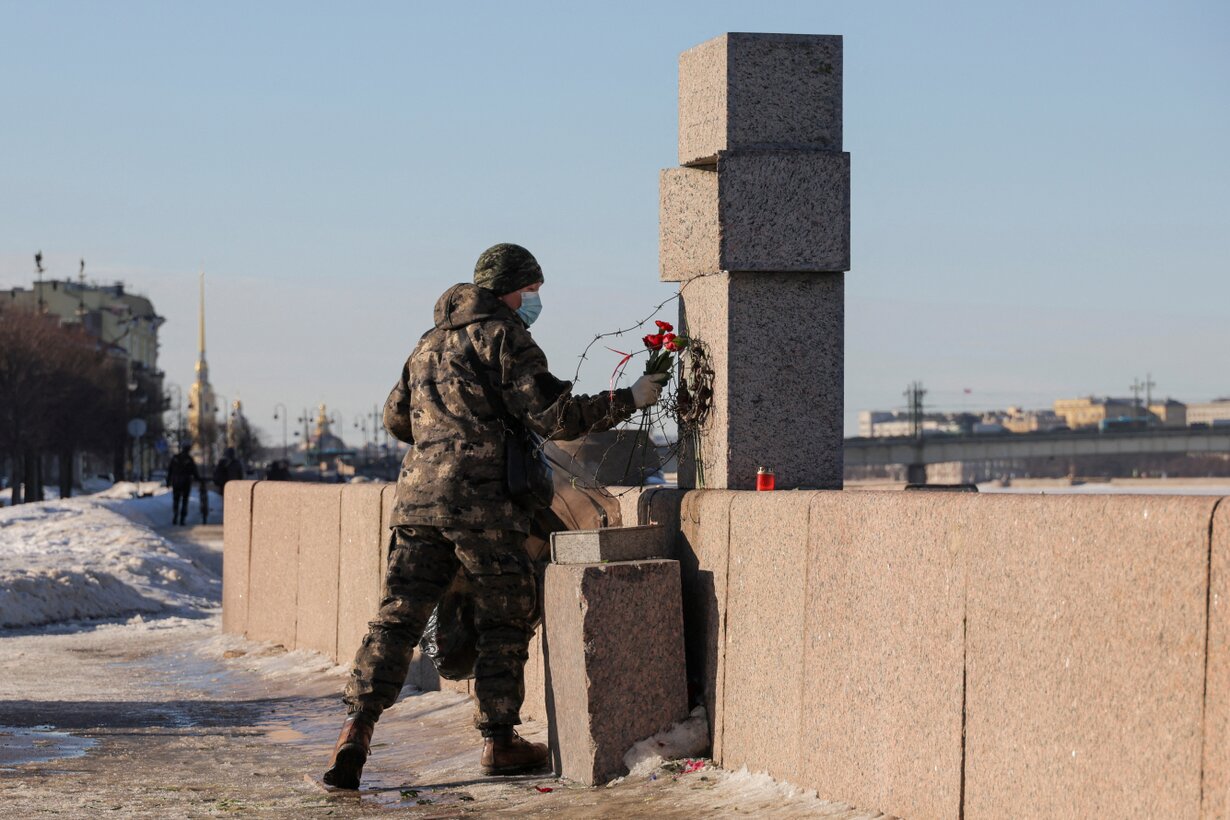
point(664, 327)
point(653, 342)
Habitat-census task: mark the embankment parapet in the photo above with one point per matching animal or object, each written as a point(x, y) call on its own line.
point(918, 654)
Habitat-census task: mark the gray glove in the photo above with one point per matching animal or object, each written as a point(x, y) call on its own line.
point(647, 389)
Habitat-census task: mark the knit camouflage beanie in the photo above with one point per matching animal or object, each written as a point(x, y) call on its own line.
point(506, 267)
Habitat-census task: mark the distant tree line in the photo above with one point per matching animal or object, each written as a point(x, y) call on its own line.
point(61, 393)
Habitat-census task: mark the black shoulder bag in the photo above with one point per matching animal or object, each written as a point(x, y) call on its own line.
point(527, 474)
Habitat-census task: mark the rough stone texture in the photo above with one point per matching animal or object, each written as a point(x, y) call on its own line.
point(1216, 797)
point(627, 543)
point(649, 505)
point(535, 705)
point(237, 546)
point(704, 542)
point(760, 211)
point(616, 661)
point(777, 347)
point(273, 577)
point(755, 90)
point(319, 525)
point(689, 226)
point(764, 683)
point(360, 569)
point(884, 606)
point(1085, 655)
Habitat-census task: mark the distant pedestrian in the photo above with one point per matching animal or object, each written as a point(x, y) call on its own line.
point(181, 474)
point(278, 471)
point(228, 469)
point(204, 488)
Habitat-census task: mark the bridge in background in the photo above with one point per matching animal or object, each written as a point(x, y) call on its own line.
point(939, 449)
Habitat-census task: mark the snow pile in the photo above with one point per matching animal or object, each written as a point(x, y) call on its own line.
point(81, 558)
point(688, 738)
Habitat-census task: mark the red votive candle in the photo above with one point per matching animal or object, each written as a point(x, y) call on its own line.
point(765, 479)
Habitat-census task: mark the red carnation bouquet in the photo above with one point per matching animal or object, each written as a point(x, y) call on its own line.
point(660, 346)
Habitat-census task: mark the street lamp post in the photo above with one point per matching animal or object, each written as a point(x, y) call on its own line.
point(307, 437)
point(360, 423)
point(179, 414)
point(283, 417)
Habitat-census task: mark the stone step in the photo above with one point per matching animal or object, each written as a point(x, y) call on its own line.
point(611, 544)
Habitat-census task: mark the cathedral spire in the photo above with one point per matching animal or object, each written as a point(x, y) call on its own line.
point(201, 420)
point(201, 343)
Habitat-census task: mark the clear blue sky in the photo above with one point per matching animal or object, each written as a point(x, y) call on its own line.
point(1041, 191)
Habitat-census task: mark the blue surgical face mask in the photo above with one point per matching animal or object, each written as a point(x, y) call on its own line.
point(531, 306)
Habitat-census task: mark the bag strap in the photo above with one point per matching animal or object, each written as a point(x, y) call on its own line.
point(483, 374)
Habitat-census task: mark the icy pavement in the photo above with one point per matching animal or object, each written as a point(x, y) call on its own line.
point(160, 715)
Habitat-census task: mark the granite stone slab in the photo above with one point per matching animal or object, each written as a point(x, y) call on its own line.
point(320, 522)
point(742, 90)
point(1216, 786)
point(776, 342)
point(704, 550)
point(634, 543)
point(765, 211)
point(236, 553)
point(274, 563)
point(616, 661)
point(534, 707)
point(764, 682)
point(1086, 655)
point(882, 704)
point(361, 572)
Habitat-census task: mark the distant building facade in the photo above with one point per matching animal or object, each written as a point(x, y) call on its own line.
point(1018, 420)
point(127, 326)
point(1168, 413)
point(1211, 413)
point(1090, 411)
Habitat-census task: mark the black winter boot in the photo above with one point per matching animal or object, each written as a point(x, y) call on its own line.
point(350, 752)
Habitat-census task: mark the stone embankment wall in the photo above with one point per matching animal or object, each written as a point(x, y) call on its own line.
point(926, 655)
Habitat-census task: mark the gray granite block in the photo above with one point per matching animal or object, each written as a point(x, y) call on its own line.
point(610, 544)
point(759, 90)
point(768, 211)
point(615, 661)
point(777, 349)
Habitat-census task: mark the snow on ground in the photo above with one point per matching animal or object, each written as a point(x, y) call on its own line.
point(96, 557)
point(689, 738)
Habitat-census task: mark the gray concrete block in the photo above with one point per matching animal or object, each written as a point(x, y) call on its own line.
point(1086, 655)
point(319, 552)
point(273, 579)
point(776, 341)
point(615, 661)
point(759, 211)
point(611, 544)
point(1215, 787)
point(363, 543)
point(236, 554)
point(765, 684)
point(742, 90)
point(883, 651)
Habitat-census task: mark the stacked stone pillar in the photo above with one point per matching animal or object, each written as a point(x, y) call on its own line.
point(755, 226)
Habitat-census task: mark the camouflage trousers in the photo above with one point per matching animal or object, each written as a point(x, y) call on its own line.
point(422, 563)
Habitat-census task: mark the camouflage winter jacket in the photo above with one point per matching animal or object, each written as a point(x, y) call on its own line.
point(454, 473)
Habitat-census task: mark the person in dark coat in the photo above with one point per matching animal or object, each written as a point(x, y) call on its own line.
point(228, 468)
point(181, 473)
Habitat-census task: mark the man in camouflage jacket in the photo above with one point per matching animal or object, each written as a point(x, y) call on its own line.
point(475, 371)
